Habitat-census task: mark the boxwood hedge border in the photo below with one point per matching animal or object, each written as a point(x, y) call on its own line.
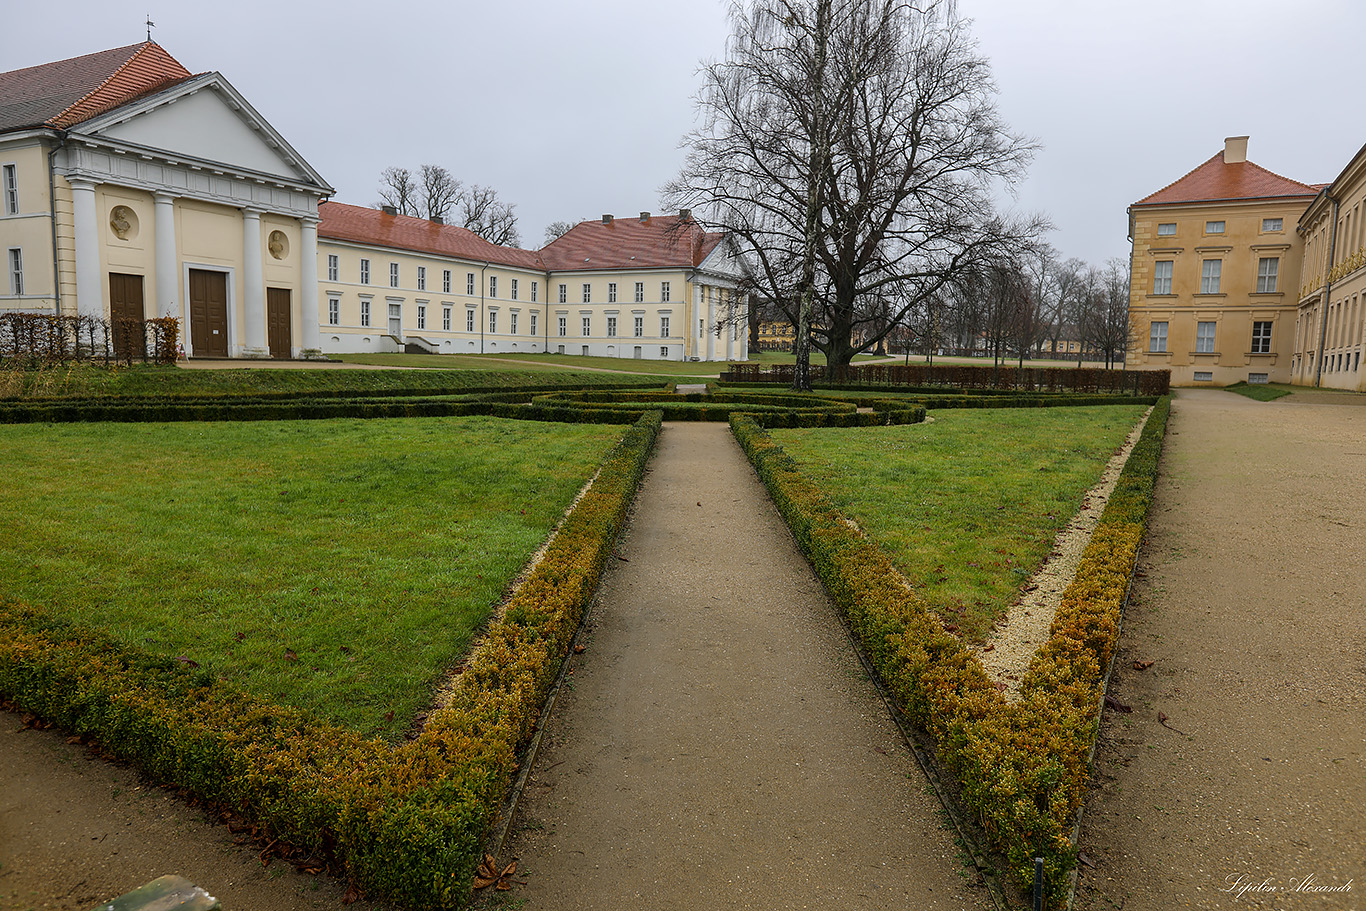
point(1022, 767)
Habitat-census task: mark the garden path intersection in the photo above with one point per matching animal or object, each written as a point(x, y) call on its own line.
point(719, 745)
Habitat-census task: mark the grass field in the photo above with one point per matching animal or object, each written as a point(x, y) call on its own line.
point(968, 505)
point(339, 566)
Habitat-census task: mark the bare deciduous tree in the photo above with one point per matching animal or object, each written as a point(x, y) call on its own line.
point(851, 146)
point(435, 193)
point(482, 212)
point(398, 189)
point(557, 229)
point(439, 191)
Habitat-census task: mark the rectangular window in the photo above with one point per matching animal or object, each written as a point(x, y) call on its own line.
point(1272, 224)
point(365, 313)
point(1166, 229)
point(333, 266)
point(611, 292)
point(1261, 337)
point(1259, 378)
point(663, 327)
point(333, 311)
point(587, 293)
point(421, 315)
point(1204, 376)
point(640, 292)
point(469, 283)
point(533, 322)
point(1204, 337)
point(1209, 275)
point(563, 326)
point(639, 326)
point(587, 325)
point(493, 321)
point(365, 271)
point(469, 320)
point(1214, 227)
point(445, 281)
point(663, 351)
point(1157, 337)
point(512, 324)
point(513, 291)
point(11, 181)
point(1162, 277)
point(700, 330)
point(534, 287)
point(493, 286)
point(393, 275)
point(564, 293)
point(1268, 269)
point(611, 327)
point(664, 292)
point(446, 319)
point(16, 271)
point(422, 278)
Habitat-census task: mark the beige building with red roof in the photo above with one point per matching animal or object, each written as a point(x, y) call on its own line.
point(131, 188)
point(1215, 273)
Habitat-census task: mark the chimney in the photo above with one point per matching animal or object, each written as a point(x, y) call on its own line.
point(438, 220)
point(685, 214)
point(388, 210)
point(607, 219)
point(644, 216)
point(1235, 149)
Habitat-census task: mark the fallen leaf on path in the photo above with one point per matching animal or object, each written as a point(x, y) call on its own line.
point(352, 894)
point(1162, 720)
point(1113, 703)
point(1142, 665)
point(488, 874)
point(579, 649)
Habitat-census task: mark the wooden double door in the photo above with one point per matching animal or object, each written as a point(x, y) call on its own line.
point(208, 313)
point(278, 322)
point(126, 315)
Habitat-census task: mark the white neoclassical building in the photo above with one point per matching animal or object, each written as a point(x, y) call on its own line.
point(133, 188)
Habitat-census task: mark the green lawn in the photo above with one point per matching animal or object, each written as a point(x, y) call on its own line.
point(556, 363)
point(968, 505)
point(339, 566)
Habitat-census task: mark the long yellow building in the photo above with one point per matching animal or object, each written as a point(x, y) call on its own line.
point(130, 187)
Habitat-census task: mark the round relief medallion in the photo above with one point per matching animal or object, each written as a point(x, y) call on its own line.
point(278, 244)
point(123, 221)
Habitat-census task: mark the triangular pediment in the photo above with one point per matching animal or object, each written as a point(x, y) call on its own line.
point(725, 260)
point(205, 119)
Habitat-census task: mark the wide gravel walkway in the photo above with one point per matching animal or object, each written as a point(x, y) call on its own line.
point(719, 745)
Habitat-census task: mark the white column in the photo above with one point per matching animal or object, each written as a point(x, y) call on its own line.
point(744, 328)
point(89, 282)
point(308, 277)
point(730, 329)
point(168, 302)
point(711, 323)
point(253, 286)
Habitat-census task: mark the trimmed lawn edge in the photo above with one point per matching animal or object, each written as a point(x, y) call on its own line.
point(407, 824)
point(1023, 767)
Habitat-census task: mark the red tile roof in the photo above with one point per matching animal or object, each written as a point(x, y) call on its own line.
point(362, 225)
point(1214, 180)
point(665, 241)
point(67, 92)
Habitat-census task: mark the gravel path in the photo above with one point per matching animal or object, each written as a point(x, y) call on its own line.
point(1249, 605)
point(720, 746)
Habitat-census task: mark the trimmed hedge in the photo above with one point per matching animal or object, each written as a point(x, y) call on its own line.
point(1022, 766)
point(964, 376)
point(408, 823)
point(796, 410)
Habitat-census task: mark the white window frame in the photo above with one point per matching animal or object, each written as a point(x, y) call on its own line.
point(611, 327)
point(469, 319)
point(421, 315)
point(1157, 336)
point(1261, 336)
point(469, 284)
point(638, 326)
point(14, 262)
point(365, 312)
point(533, 323)
point(333, 267)
point(11, 188)
point(1268, 274)
point(422, 278)
point(512, 321)
point(493, 286)
point(446, 318)
point(1204, 336)
point(493, 322)
point(640, 292)
point(393, 275)
point(586, 325)
point(663, 292)
point(1166, 229)
point(1162, 276)
point(564, 294)
point(588, 292)
point(512, 291)
point(1272, 225)
point(333, 310)
point(1215, 227)
point(663, 327)
point(611, 292)
point(1211, 271)
point(534, 288)
point(445, 281)
point(562, 325)
point(364, 271)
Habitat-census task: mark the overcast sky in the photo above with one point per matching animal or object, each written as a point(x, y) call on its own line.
point(575, 109)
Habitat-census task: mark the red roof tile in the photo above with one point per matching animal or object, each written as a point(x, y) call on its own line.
point(1214, 180)
point(665, 241)
point(359, 224)
point(67, 92)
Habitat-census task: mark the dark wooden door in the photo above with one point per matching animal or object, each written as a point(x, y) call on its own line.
point(208, 313)
point(126, 315)
point(277, 321)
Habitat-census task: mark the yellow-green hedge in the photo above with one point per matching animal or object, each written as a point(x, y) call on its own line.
point(408, 823)
point(1022, 767)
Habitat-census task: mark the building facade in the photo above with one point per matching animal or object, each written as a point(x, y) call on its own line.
point(131, 188)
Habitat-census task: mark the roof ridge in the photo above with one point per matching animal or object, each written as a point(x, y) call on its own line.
point(79, 101)
point(1218, 180)
point(1160, 190)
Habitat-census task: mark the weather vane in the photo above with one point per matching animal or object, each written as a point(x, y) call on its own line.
point(150, 25)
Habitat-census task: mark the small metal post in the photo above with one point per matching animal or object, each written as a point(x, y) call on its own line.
point(1038, 884)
